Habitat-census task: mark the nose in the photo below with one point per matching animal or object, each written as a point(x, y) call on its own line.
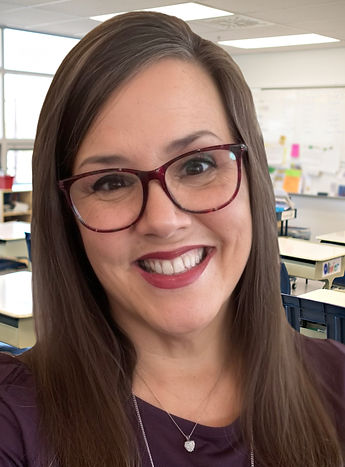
point(161, 217)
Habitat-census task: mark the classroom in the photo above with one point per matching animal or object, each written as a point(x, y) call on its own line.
point(291, 54)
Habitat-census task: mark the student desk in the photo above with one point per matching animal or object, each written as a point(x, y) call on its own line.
point(16, 321)
point(337, 238)
point(329, 309)
point(325, 307)
point(332, 297)
point(12, 239)
point(310, 260)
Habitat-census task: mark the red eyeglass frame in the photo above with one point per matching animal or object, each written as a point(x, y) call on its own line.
point(146, 176)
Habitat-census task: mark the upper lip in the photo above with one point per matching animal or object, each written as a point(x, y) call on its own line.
point(170, 254)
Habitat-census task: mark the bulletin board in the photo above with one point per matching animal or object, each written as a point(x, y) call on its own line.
point(304, 127)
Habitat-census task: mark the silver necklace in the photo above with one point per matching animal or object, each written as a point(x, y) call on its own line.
point(189, 443)
point(252, 460)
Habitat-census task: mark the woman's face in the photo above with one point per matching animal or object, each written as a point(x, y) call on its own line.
point(167, 109)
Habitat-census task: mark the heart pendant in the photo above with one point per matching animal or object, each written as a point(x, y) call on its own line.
point(189, 445)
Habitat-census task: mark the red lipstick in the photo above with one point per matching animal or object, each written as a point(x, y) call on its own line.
point(175, 281)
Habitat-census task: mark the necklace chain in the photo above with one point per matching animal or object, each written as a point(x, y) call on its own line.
point(142, 430)
point(252, 459)
point(189, 445)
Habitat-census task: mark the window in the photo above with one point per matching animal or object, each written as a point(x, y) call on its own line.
point(24, 96)
point(19, 165)
point(26, 71)
point(36, 52)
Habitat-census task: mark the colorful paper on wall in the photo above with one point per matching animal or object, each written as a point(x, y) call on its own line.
point(292, 181)
point(295, 150)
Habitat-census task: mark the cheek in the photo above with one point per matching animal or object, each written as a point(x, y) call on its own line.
point(233, 224)
point(234, 230)
point(103, 249)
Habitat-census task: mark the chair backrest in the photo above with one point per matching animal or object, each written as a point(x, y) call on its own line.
point(28, 243)
point(11, 349)
point(285, 286)
point(339, 281)
point(332, 316)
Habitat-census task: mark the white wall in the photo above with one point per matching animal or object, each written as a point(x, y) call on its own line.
point(323, 67)
point(320, 214)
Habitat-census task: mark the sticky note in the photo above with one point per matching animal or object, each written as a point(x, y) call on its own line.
point(295, 150)
point(292, 180)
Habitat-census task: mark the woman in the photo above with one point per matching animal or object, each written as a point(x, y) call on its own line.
point(161, 339)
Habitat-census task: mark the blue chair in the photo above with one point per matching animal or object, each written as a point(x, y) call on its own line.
point(331, 316)
point(11, 349)
point(28, 243)
point(339, 281)
point(285, 286)
point(11, 264)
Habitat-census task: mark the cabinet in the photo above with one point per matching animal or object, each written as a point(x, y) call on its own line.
point(15, 205)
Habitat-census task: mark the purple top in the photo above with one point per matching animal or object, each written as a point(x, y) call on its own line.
point(20, 446)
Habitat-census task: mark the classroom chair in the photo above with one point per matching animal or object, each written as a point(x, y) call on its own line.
point(331, 316)
point(11, 349)
point(28, 243)
point(285, 286)
point(339, 281)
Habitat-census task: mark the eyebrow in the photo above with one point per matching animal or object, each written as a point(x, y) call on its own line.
point(114, 160)
point(181, 143)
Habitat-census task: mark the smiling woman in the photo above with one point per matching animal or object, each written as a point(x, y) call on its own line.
point(161, 338)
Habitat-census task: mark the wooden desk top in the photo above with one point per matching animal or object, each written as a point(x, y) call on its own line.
point(14, 230)
point(333, 237)
point(333, 297)
point(16, 295)
point(304, 249)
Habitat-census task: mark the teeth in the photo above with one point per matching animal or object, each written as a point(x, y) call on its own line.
point(178, 265)
point(175, 266)
point(167, 268)
point(187, 262)
point(193, 261)
point(157, 267)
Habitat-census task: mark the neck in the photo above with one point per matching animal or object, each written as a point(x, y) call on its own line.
point(166, 358)
point(179, 375)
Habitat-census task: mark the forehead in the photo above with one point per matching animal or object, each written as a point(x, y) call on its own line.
point(164, 102)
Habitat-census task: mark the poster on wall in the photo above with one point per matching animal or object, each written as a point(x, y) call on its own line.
point(311, 123)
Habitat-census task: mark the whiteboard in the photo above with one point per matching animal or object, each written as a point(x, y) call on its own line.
point(312, 120)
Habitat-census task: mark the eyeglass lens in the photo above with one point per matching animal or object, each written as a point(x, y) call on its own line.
point(198, 182)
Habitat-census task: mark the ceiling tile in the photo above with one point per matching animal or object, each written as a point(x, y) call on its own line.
point(31, 16)
point(249, 6)
point(280, 17)
point(301, 14)
point(87, 8)
point(4, 6)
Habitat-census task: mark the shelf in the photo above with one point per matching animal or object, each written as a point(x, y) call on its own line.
point(13, 196)
point(17, 213)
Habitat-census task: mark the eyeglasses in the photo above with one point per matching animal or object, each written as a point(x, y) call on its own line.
point(198, 182)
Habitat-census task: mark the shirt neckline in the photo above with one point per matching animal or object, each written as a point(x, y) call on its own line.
point(160, 417)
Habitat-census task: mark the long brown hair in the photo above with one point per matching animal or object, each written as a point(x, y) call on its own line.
point(82, 362)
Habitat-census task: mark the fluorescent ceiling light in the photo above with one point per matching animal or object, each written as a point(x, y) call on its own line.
point(279, 41)
point(187, 11)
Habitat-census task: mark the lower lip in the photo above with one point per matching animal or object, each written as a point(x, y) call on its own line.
point(177, 281)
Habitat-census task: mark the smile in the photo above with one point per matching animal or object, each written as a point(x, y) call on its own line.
point(175, 269)
point(178, 265)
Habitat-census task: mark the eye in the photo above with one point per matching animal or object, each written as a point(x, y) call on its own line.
point(198, 165)
point(112, 182)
